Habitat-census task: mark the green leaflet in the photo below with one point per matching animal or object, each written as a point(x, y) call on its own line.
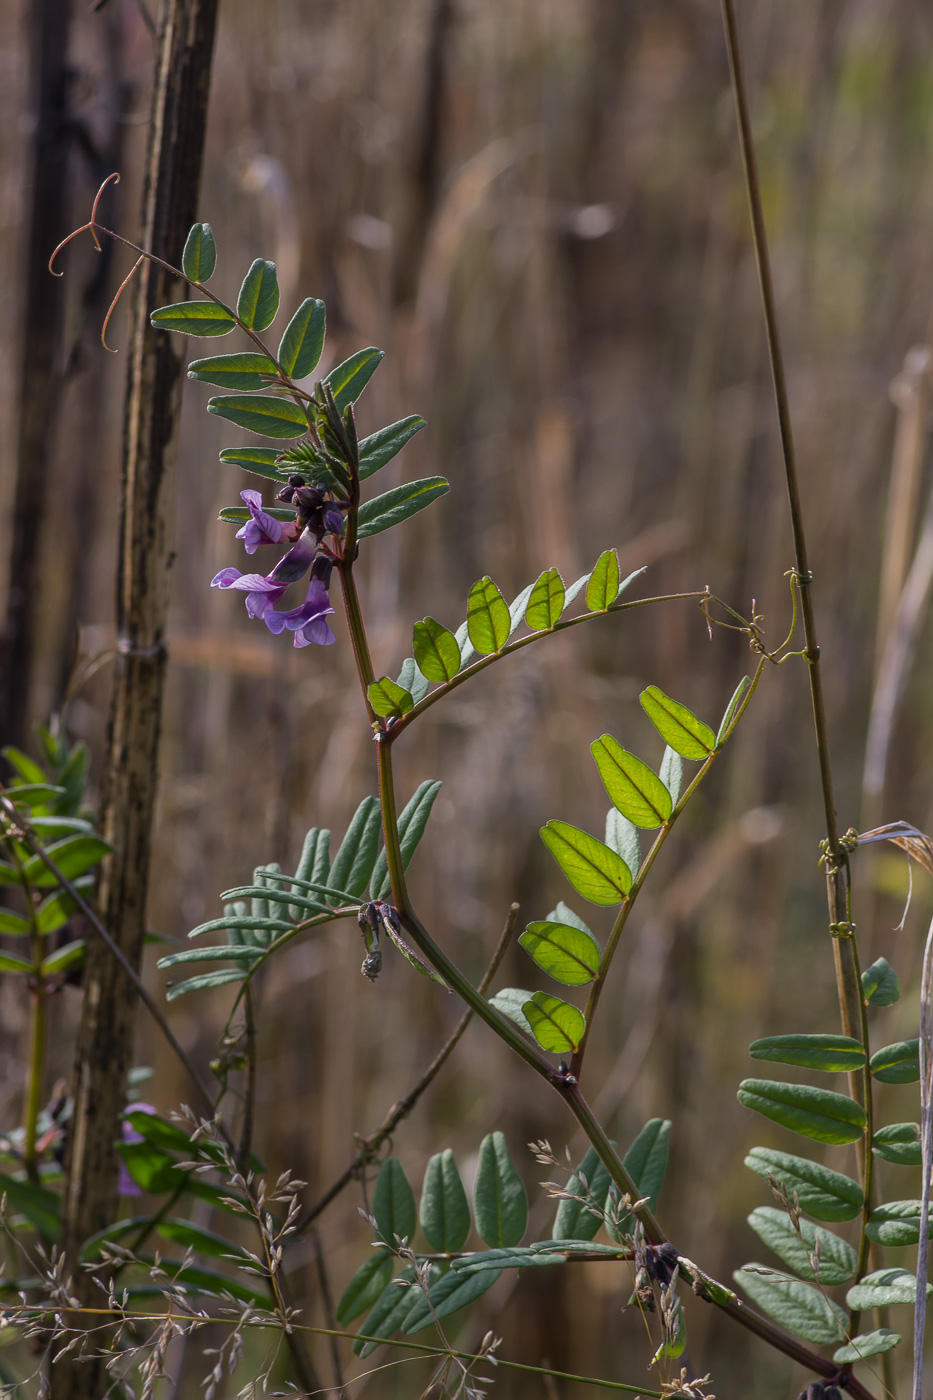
point(488, 620)
point(39, 1206)
point(246, 370)
point(14, 924)
point(730, 710)
point(203, 1241)
point(354, 861)
point(74, 855)
point(365, 1286)
point(896, 1224)
point(580, 1213)
point(545, 602)
point(448, 1295)
point(380, 447)
point(622, 837)
point(836, 1258)
point(564, 952)
point(898, 1063)
point(389, 700)
point(205, 982)
point(899, 1142)
point(231, 952)
point(883, 1289)
point(258, 460)
point(200, 254)
point(595, 871)
point(671, 773)
point(521, 1257)
point(865, 1345)
point(411, 827)
point(267, 414)
point(677, 725)
point(821, 1192)
point(798, 1306)
point(436, 651)
point(880, 984)
point(25, 766)
point(500, 1205)
point(350, 378)
point(394, 1203)
point(313, 865)
point(603, 586)
point(303, 340)
point(205, 318)
point(816, 1113)
point(248, 923)
point(69, 956)
point(391, 1309)
point(12, 962)
point(646, 1164)
point(509, 1002)
point(258, 299)
point(826, 1052)
point(635, 790)
point(556, 1025)
point(444, 1210)
point(399, 504)
point(411, 679)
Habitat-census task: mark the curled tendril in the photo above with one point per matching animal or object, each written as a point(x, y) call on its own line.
point(119, 292)
point(90, 226)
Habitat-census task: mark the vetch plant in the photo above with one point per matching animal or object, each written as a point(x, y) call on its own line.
point(422, 1268)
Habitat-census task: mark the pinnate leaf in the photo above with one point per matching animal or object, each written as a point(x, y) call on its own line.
point(500, 1205)
point(399, 504)
point(813, 1247)
point(389, 700)
point(636, 791)
point(246, 370)
point(348, 380)
point(826, 1052)
point(354, 861)
point(303, 339)
point(820, 1114)
point(595, 871)
point(880, 984)
point(411, 825)
point(199, 257)
point(545, 602)
point(821, 1192)
point(436, 650)
point(866, 1344)
point(205, 318)
point(365, 1286)
point(380, 447)
point(258, 300)
point(267, 414)
point(798, 1306)
point(488, 618)
point(444, 1210)
point(898, 1063)
point(603, 586)
point(556, 1025)
point(899, 1142)
point(566, 953)
point(677, 725)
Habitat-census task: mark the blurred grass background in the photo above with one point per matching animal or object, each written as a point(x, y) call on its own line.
point(537, 211)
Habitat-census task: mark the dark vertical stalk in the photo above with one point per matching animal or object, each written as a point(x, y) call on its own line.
point(41, 372)
point(176, 142)
point(851, 1004)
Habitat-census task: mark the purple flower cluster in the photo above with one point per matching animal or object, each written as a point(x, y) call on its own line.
point(315, 517)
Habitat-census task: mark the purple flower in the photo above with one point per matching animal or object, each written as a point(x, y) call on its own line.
point(262, 528)
point(262, 594)
point(128, 1186)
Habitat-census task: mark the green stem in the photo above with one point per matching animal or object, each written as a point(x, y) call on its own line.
point(848, 983)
